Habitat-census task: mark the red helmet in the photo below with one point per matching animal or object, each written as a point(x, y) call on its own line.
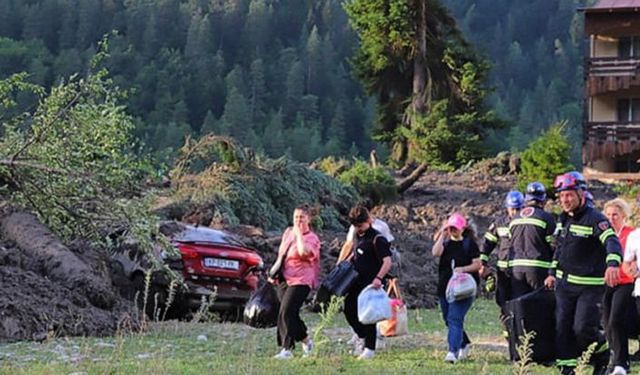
point(567, 181)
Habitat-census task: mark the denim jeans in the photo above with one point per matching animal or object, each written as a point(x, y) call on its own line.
point(453, 315)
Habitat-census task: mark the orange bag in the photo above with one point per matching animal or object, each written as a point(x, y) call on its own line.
point(398, 324)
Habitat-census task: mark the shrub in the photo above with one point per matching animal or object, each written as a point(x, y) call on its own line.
point(546, 157)
point(373, 183)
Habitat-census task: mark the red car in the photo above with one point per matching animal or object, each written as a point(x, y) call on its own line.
point(214, 259)
point(209, 260)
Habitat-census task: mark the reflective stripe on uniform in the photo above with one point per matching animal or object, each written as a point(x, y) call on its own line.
point(490, 237)
point(484, 257)
point(606, 234)
point(554, 264)
point(567, 362)
point(559, 274)
point(549, 239)
point(585, 280)
point(614, 257)
point(530, 263)
point(581, 230)
point(503, 264)
point(528, 221)
point(503, 231)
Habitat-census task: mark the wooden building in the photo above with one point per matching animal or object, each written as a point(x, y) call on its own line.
point(611, 128)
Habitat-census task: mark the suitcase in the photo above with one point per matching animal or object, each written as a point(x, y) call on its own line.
point(534, 311)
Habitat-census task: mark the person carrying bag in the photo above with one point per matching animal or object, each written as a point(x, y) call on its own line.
point(372, 260)
point(398, 324)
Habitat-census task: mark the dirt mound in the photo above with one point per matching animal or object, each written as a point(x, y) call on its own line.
point(49, 289)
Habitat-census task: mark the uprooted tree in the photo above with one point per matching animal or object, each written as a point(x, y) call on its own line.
point(69, 172)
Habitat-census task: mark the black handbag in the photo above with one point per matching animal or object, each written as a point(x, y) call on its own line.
point(340, 279)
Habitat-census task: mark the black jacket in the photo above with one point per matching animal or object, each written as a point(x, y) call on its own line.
point(532, 238)
point(497, 235)
point(587, 245)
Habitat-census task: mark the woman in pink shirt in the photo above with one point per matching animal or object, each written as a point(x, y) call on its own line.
point(300, 249)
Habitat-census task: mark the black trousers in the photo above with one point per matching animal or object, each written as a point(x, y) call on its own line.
point(526, 279)
point(503, 288)
point(290, 327)
point(617, 305)
point(578, 323)
point(364, 331)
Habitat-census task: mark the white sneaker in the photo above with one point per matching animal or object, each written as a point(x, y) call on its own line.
point(358, 347)
point(367, 354)
point(284, 354)
point(307, 348)
point(450, 357)
point(619, 370)
point(464, 352)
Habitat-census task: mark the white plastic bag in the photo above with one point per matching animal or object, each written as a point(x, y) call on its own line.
point(374, 305)
point(636, 288)
point(461, 286)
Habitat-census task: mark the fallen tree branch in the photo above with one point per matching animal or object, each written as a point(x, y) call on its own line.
point(406, 183)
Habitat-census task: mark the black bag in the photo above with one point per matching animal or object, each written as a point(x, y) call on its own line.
point(261, 311)
point(340, 278)
point(533, 311)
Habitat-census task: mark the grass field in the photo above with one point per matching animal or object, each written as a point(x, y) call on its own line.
point(228, 348)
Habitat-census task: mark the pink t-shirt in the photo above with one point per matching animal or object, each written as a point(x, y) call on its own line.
point(301, 270)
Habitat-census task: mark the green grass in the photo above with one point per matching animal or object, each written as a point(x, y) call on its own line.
point(174, 348)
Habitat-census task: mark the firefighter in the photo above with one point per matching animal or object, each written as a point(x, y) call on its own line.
point(588, 256)
point(531, 234)
point(498, 236)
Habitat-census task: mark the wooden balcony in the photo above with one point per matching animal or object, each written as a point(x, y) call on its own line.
point(608, 74)
point(610, 139)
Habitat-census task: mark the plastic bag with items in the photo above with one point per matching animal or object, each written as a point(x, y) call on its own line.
point(261, 311)
point(461, 286)
point(374, 305)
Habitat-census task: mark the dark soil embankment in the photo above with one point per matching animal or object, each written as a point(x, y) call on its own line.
point(49, 289)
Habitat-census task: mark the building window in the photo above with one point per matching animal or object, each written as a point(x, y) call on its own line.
point(629, 46)
point(629, 110)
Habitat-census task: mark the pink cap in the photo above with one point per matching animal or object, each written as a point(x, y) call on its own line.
point(457, 221)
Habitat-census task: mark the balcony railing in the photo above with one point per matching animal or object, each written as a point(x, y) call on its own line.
point(613, 66)
point(611, 131)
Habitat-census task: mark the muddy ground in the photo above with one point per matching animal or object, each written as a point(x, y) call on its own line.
point(35, 304)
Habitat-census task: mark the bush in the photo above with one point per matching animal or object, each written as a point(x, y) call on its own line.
point(546, 157)
point(373, 183)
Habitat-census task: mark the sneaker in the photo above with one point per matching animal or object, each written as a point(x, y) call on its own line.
point(367, 354)
point(464, 352)
point(451, 358)
point(307, 348)
point(284, 354)
point(619, 370)
point(358, 347)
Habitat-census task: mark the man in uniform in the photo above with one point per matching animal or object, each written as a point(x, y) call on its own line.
point(588, 255)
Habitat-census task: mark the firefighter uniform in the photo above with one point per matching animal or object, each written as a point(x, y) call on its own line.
point(587, 245)
point(498, 236)
point(531, 253)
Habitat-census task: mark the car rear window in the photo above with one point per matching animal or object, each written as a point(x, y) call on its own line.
point(207, 235)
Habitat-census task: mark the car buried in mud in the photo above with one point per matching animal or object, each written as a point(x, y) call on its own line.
point(217, 269)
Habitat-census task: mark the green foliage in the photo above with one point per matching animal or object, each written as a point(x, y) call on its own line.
point(241, 65)
point(72, 160)
point(216, 174)
point(374, 183)
point(445, 142)
point(333, 166)
point(545, 158)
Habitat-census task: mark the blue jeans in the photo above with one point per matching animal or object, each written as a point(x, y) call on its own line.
point(453, 315)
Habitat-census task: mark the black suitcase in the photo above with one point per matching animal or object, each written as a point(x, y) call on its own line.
point(535, 312)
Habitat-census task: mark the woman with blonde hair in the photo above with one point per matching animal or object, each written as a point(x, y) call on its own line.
point(618, 299)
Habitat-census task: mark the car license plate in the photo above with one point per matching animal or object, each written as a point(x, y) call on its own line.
point(221, 263)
